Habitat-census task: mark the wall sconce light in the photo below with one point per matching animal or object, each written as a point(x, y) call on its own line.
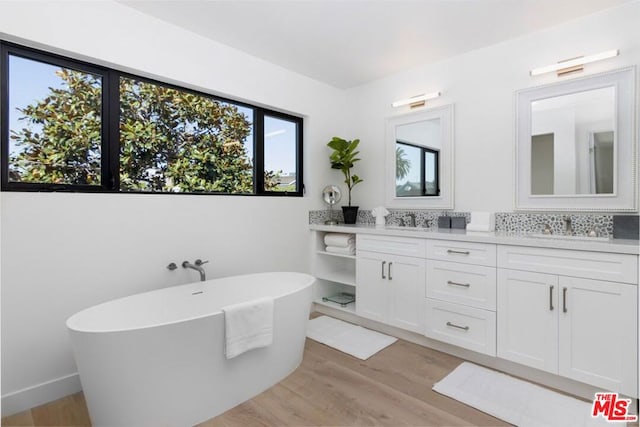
point(416, 101)
point(574, 65)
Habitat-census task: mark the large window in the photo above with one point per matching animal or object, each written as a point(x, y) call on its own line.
point(72, 126)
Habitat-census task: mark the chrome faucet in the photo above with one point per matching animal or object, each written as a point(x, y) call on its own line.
point(411, 222)
point(196, 266)
point(568, 229)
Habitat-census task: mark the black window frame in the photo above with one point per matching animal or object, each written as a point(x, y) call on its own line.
point(110, 116)
point(423, 181)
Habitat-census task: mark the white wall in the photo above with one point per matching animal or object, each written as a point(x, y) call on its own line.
point(481, 84)
point(65, 252)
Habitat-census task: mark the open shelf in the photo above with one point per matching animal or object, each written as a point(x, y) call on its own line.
point(349, 308)
point(336, 255)
point(344, 277)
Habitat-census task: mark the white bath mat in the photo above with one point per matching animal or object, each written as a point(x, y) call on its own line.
point(515, 401)
point(351, 339)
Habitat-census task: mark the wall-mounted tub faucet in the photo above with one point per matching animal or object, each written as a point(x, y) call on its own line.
point(197, 265)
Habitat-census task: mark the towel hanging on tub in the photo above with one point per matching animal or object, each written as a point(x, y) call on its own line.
point(248, 325)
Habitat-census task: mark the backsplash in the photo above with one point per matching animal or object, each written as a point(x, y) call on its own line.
point(507, 222)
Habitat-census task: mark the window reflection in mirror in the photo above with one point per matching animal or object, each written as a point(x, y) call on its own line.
point(573, 143)
point(417, 159)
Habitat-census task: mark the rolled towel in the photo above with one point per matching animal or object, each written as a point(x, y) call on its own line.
point(248, 325)
point(340, 240)
point(349, 250)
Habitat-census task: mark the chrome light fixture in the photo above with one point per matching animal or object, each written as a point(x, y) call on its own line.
point(573, 65)
point(415, 101)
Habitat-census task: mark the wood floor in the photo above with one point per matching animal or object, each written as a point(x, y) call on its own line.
point(330, 388)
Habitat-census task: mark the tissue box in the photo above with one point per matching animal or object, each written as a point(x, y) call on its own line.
point(458, 222)
point(626, 227)
point(444, 222)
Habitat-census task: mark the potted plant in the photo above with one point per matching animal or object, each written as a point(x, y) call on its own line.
point(343, 157)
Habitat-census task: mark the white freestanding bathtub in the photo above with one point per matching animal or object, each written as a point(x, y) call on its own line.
point(157, 358)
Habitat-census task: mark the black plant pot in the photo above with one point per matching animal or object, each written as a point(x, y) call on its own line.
point(350, 214)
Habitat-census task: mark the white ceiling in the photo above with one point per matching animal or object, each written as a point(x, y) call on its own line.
point(346, 43)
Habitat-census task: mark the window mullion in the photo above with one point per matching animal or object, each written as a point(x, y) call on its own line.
point(258, 152)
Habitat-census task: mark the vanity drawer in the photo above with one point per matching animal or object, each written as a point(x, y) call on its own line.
point(391, 245)
point(467, 327)
point(472, 285)
point(465, 252)
point(591, 265)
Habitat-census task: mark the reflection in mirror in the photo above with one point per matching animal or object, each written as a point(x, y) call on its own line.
point(572, 143)
point(417, 151)
point(576, 147)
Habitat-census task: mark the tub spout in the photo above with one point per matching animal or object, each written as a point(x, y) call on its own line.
point(196, 266)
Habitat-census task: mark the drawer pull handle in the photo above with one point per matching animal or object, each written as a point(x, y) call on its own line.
point(383, 263)
point(453, 325)
point(464, 285)
point(451, 251)
point(564, 300)
point(551, 297)
point(389, 271)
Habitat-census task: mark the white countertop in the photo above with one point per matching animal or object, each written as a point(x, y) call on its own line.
point(621, 246)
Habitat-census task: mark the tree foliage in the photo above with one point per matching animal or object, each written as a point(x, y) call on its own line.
point(170, 140)
point(403, 165)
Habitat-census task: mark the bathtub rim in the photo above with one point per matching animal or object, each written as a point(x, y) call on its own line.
point(75, 329)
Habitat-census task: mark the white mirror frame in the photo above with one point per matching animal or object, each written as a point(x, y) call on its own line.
point(445, 199)
point(624, 197)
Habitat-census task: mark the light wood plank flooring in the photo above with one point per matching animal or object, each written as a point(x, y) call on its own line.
point(330, 388)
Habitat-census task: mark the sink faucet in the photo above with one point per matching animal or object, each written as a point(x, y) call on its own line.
point(196, 266)
point(568, 229)
point(412, 220)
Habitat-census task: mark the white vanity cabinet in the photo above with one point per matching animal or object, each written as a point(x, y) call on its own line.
point(571, 313)
point(461, 294)
point(390, 274)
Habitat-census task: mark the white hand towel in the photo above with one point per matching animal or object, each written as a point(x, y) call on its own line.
point(248, 325)
point(481, 221)
point(341, 240)
point(349, 250)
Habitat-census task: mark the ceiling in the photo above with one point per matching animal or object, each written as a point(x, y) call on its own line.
point(351, 42)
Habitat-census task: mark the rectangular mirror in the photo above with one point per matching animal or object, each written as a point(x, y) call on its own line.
point(420, 159)
point(576, 145)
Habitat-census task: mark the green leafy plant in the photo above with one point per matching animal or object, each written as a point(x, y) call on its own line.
point(170, 140)
point(343, 158)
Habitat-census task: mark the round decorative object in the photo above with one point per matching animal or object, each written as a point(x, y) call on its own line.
point(331, 195)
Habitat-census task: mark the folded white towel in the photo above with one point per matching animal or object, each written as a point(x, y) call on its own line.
point(340, 240)
point(349, 250)
point(248, 325)
point(481, 221)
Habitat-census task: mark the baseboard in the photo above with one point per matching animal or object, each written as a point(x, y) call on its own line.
point(30, 397)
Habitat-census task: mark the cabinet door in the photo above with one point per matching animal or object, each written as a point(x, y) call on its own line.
point(406, 282)
point(598, 333)
point(372, 297)
point(527, 307)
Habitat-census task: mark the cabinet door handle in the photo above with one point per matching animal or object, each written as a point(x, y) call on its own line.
point(551, 297)
point(383, 263)
point(453, 325)
point(564, 300)
point(389, 271)
point(451, 251)
point(464, 285)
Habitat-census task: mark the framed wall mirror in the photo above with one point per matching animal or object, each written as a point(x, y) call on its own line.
point(419, 159)
point(576, 144)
